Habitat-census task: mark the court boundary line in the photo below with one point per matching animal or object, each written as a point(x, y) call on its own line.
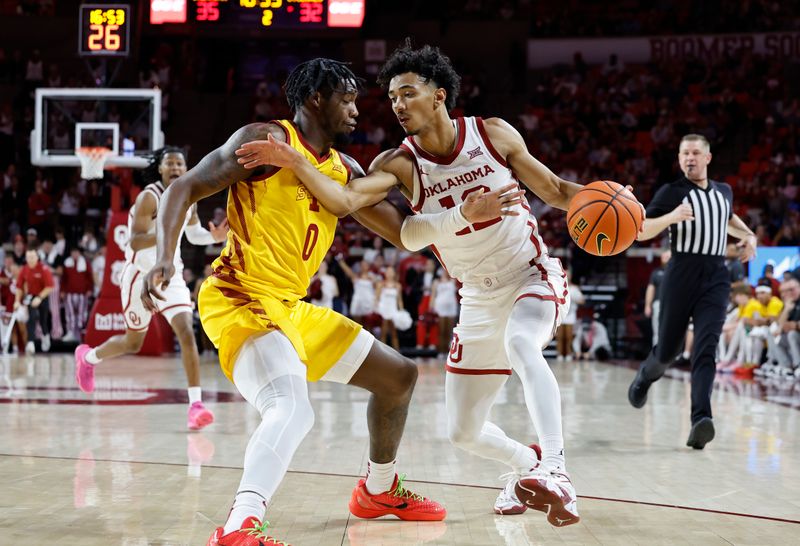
point(428, 482)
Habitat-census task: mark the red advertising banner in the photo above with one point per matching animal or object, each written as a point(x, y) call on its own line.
point(105, 319)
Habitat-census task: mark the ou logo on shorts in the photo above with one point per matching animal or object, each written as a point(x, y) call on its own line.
point(134, 318)
point(456, 349)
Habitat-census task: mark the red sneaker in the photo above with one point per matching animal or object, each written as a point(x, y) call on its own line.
point(84, 372)
point(252, 533)
point(398, 501)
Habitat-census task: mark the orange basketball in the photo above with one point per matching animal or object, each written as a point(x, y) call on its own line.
point(604, 218)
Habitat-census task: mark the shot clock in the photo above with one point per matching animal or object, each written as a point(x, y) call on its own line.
point(104, 30)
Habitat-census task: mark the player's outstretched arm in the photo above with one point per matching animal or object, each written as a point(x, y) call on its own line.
point(339, 200)
point(214, 173)
point(551, 189)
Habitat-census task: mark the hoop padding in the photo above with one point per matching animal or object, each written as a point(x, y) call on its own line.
point(93, 159)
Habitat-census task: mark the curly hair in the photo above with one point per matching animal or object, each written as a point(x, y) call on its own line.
point(150, 173)
point(429, 63)
point(323, 75)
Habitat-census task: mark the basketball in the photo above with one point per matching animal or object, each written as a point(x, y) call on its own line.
point(604, 218)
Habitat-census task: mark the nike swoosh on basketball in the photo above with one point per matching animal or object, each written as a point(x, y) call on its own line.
point(601, 237)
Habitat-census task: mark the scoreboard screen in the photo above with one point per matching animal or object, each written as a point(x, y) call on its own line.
point(260, 14)
point(104, 30)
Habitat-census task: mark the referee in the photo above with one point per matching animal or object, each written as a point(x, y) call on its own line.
point(696, 284)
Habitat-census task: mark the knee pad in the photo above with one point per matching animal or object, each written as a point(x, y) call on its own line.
point(285, 399)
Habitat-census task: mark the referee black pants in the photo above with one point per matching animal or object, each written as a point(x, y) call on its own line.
point(696, 287)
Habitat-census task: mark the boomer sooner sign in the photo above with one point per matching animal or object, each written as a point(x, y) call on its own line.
point(773, 45)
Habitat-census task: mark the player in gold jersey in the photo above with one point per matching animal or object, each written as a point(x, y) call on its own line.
point(270, 342)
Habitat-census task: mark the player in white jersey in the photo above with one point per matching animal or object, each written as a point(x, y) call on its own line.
point(513, 296)
point(140, 254)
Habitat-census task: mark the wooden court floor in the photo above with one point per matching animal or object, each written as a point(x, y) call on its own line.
point(119, 467)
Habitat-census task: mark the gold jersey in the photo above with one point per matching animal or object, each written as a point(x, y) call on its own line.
point(279, 234)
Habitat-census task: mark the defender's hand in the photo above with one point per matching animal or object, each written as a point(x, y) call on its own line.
point(156, 281)
point(267, 152)
point(220, 232)
point(482, 207)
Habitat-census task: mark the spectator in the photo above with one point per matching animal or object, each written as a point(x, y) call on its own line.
point(445, 305)
point(34, 70)
point(98, 268)
point(329, 288)
point(652, 296)
point(76, 289)
point(363, 302)
point(758, 314)
point(784, 348)
point(733, 263)
point(40, 209)
point(388, 294)
point(427, 324)
point(34, 284)
point(8, 289)
point(565, 333)
point(591, 340)
point(18, 252)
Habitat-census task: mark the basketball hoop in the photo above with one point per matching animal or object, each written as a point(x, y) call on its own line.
point(92, 158)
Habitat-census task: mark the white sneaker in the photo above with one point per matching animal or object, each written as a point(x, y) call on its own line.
point(507, 502)
point(551, 493)
point(46, 343)
point(560, 358)
point(69, 338)
point(569, 358)
point(30, 348)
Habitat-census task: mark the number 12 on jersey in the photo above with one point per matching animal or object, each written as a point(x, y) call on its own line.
point(449, 203)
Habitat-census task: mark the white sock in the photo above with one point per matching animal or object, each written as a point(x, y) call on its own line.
point(380, 477)
point(553, 452)
point(195, 395)
point(524, 459)
point(686, 355)
point(246, 504)
point(92, 358)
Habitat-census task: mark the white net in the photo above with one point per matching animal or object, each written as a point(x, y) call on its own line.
point(92, 161)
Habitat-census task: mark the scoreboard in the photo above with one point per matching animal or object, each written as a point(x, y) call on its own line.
point(104, 30)
point(259, 14)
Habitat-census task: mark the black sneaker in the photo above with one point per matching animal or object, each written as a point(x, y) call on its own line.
point(702, 433)
point(637, 392)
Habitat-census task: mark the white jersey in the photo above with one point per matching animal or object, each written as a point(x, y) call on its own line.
point(145, 258)
point(483, 250)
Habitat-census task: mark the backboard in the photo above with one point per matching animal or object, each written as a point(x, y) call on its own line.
point(128, 121)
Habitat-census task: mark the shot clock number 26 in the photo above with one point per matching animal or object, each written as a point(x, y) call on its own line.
point(104, 30)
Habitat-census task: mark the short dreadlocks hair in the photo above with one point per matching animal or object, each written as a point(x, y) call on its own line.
point(323, 75)
point(429, 63)
point(150, 173)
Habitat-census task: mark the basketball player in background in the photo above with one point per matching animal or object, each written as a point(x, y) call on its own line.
point(140, 254)
point(513, 294)
point(270, 342)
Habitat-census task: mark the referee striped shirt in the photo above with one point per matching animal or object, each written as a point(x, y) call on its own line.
point(707, 234)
